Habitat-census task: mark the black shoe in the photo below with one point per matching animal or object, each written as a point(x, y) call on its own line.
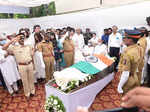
point(31, 95)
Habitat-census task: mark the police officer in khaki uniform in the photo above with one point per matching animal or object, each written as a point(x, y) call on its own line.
point(46, 49)
point(24, 57)
point(68, 51)
point(130, 62)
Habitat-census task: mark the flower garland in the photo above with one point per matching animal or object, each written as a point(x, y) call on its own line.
point(54, 104)
point(71, 84)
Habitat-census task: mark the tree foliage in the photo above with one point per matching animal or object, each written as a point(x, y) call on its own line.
point(43, 10)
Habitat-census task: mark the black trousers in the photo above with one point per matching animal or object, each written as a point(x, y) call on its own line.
point(148, 75)
point(114, 52)
point(2, 80)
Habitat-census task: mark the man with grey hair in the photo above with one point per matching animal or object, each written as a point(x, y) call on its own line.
point(114, 44)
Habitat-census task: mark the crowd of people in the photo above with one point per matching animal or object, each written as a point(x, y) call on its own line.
point(33, 57)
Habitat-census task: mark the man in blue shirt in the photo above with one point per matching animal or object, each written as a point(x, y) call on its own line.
point(105, 37)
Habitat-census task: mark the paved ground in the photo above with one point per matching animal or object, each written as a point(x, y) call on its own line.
point(106, 99)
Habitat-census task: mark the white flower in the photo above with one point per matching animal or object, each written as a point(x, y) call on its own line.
point(55, 108)
point(90, 77)
point(58, 106)
point(82, 80)
point(60, 111)
point(51, 99)
point(86, 79)
point(55, 102)
point(77, 83)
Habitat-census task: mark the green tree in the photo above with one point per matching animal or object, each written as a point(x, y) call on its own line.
point(39, 11)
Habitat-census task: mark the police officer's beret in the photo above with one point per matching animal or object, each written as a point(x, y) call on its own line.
point(132, 33)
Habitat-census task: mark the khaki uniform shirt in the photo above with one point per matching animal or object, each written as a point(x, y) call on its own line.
point(143, 43)
point(23, 54)
point(121, 60)
point(68, 46)
point(131, 58)
point(46, 48)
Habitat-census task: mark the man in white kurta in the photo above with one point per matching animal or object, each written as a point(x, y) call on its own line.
point(100, 48)
point(94, 39)
point(9, 70)
point(78, 40)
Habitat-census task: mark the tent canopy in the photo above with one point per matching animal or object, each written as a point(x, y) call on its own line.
point(20, 6)
point(14, 9)
point(24, 3)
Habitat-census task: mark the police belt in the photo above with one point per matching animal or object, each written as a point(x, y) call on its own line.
point(47, 55)
point(68, 50)
point(26, 63)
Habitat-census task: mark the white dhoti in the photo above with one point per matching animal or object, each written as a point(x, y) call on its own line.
point(10, 73)
point(39, 65)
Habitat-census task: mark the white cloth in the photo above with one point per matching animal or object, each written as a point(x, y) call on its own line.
point(123, 80)
point(39, 65)
point(123, 48)
point(88, 50)
point(100, 49)
point(30, 40)
point(78, 56)
point(11, 87)
point(147, 49)
point(94, 40)
point(63, 77)
point(146, 59)
point(56, 37)
point(2, 55)
point(78, 41)
point(99, 65)
point(115, 40)
point(9, 70)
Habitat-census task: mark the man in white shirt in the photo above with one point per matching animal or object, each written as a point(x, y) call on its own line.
point(114, 44)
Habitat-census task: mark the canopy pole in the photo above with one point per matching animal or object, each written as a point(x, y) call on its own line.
point(101, 2)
